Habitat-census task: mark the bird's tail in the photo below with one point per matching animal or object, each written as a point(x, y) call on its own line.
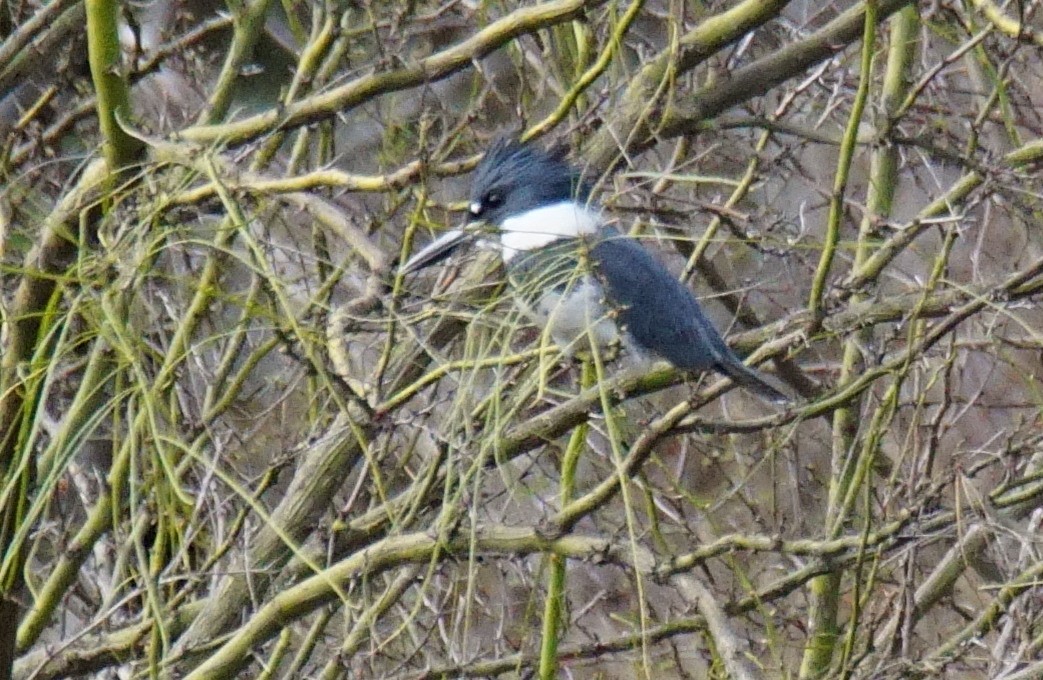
point(749, 378)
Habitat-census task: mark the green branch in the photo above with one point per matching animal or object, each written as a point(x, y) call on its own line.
point(113, 93)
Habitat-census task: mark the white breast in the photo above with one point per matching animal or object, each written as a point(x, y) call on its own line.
point(542, 226)
point(577, 316)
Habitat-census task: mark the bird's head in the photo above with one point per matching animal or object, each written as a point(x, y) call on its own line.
point(514, 178)
point(525, 194)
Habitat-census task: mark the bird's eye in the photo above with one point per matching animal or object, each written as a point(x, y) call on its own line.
point(492, 199)
point(489, 200)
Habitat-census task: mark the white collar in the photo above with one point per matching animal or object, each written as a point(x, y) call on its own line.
point(539, 227)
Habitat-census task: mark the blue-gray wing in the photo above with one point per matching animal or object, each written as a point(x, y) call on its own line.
point(663, 316)
point(660, 313)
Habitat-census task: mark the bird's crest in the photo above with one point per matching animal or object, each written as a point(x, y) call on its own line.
point(508, 157)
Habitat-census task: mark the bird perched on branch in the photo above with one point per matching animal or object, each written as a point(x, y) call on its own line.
point(577, 276)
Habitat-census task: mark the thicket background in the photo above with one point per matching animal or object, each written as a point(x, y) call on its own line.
point(235, 443)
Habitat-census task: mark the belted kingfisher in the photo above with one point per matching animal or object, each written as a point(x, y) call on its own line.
point(577, 276)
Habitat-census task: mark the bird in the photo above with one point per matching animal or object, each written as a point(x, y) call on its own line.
point(575, 274)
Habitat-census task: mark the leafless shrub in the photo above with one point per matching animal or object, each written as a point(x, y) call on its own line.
point(235, 441)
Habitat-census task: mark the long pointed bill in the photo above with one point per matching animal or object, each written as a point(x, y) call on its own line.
point(436, 251)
